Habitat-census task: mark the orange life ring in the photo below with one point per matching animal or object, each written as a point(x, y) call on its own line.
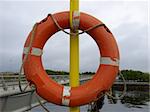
point(87, 92)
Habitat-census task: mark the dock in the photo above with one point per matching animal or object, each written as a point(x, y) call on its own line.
point(10, 93)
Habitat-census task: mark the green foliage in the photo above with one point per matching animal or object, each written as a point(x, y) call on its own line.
point(51, 72)
point(135, 75)
point(128, 75)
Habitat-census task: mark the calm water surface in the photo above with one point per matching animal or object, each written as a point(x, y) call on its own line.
point(134, 101)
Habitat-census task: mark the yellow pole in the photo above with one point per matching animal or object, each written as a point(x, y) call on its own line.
point(74, 53)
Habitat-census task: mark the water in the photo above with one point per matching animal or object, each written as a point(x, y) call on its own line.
point(133, 101)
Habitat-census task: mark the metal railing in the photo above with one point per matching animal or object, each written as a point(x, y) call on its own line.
point(25, 100)
point(7, 81)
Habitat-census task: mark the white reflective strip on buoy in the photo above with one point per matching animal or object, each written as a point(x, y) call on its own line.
point(66, 94)
point(109, 61)
point(75, 19)
point(65, 101)
point(34, 51)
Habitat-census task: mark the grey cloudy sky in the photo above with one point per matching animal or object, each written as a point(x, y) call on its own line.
point(128, 20)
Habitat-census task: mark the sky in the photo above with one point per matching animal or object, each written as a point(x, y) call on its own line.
point(127, 19)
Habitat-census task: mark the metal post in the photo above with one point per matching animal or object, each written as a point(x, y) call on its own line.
point(74, 53)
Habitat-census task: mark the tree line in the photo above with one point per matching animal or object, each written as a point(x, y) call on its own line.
point(135, 75)
point(52, 72)
point(128, 74)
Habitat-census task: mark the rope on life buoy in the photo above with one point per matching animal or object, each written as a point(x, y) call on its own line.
point(123, 92)
point(21, 69)
point(27, 51)
point(74, 33)
point(93, 105)
point(109, 59)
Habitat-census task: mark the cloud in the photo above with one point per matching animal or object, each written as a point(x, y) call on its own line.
point(133, 46)
point(127, 20)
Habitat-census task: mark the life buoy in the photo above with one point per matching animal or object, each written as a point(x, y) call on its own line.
point(65, 95)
